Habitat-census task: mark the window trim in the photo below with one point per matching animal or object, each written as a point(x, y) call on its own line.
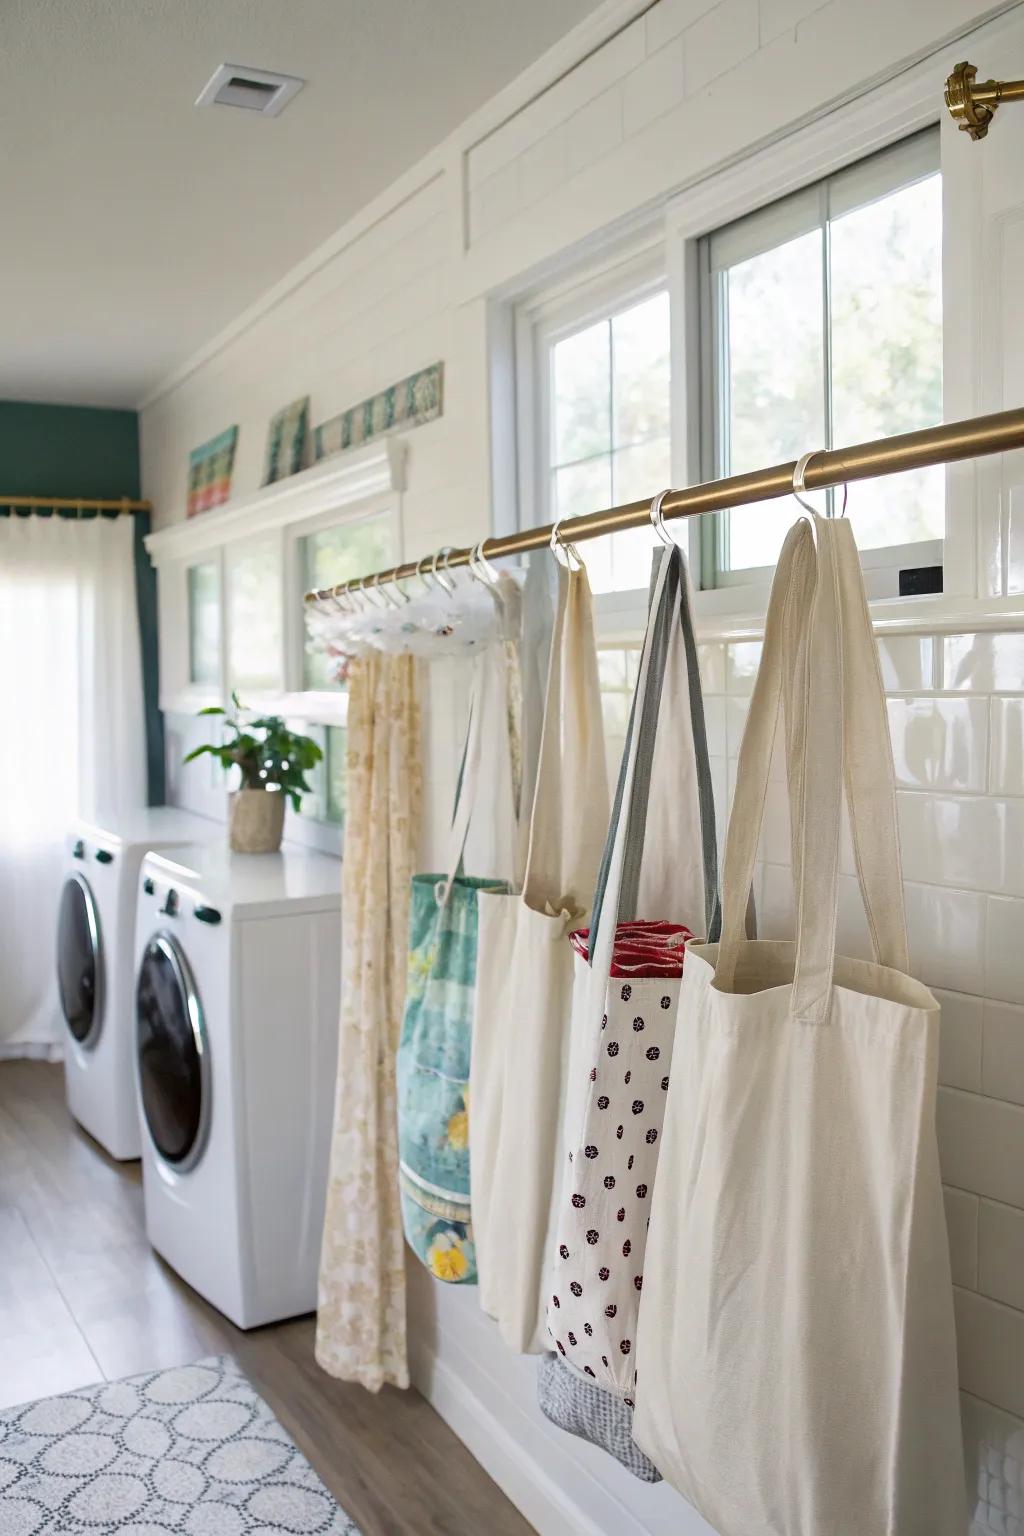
point(882, 117)
point(905, 163)
point(547, 315)
point(670, 239)
point(387, 503)
point(346, 487)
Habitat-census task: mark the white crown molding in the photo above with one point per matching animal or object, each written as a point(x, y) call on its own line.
point(337, 483)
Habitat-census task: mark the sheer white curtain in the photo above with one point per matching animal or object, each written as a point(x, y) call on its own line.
point(71, 712)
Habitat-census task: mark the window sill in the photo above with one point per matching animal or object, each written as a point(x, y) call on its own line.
point(311, 706)
point(737, 613)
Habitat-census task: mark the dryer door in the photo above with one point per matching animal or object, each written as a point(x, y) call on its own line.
point(79, 961)
point(173, 1056)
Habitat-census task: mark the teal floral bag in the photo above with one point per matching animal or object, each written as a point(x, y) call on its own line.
point(433, 1074)
point(437, 1026)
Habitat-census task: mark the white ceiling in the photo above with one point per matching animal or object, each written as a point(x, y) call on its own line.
point(135, 226)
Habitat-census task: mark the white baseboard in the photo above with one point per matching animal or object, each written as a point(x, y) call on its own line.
point(548, 1508)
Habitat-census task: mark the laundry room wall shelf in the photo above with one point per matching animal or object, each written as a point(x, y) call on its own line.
point(349, 487)
point(334, 484)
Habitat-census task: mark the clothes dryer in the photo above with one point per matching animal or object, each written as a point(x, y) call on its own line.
point(95, 964)
point(237, 998)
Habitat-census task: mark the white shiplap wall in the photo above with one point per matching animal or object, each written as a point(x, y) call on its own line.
point(643, 101)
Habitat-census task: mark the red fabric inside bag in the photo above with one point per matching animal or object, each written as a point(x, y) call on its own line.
point(642, 948)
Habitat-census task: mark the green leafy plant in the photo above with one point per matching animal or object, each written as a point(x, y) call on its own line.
point(266, 752)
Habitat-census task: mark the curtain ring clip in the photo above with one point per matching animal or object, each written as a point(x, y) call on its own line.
point(444, 581)
point(799, 484)
point(658, 520)
point(564, 553)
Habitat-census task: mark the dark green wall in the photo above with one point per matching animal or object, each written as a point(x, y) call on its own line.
point(68, 450)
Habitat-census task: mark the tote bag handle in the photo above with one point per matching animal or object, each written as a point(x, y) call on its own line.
point(819, 658)
point(488, 722)
point(570, 804)
point(669, 652)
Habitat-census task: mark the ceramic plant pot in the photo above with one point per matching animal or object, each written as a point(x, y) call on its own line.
point(256, 822)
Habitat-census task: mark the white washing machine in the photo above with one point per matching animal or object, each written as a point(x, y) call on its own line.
point(96, 964)
point(237, 999)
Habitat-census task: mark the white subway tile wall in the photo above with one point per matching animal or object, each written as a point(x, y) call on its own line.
point(956, 713)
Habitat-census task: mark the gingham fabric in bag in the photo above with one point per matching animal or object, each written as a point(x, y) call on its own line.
point(584, 1409)
point(659, 868)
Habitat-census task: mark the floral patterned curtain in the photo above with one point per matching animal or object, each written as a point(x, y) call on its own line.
point(360, 1333)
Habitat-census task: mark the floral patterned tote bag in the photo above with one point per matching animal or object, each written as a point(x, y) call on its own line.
point(434, 1050)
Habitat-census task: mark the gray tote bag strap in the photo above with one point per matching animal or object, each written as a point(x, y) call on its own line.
point(669, 654)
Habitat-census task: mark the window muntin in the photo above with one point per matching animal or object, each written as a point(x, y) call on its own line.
point(608, 436)
point(335, 772)
point(823, 316)
point(254, 613)
point(203, 582)
point(617, 670)
point(326, 800)
point(339, 553)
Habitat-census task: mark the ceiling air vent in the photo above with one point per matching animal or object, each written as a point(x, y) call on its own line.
point(254, 90)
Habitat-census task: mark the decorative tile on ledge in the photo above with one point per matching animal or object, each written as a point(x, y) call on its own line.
point(411, 403)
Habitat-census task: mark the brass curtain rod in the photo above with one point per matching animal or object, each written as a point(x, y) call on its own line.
point(77, 503)
point(945, 444)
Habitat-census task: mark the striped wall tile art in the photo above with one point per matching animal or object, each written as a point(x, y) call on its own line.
point(411, 403)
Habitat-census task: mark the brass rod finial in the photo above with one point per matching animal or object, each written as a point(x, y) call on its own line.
point(972, 104)
point(970, 115)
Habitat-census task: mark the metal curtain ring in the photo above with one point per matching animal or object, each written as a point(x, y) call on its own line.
point(490, 572)
point(475, 568)
point(799, 484)
point(564, 553)
point(444, 582)
point(386, 594)
point(658, 521)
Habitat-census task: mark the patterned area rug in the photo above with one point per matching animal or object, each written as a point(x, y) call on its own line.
point(191, 1450)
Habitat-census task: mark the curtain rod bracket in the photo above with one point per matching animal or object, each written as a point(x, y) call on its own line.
point(972, 106)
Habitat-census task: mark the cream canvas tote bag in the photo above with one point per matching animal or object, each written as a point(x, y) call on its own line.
point(524, 984)
point(796, 1357)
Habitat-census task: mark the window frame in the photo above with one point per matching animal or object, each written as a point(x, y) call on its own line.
point(214, 560)
point(602, 289)
point(322, 705)
point(669, 237)
point(347, 488)
point(912, 159)
point(884, 116)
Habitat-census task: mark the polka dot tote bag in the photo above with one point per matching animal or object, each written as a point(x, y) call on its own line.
point(658, 886)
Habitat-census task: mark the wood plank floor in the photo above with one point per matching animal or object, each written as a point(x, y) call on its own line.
point(83, 1297)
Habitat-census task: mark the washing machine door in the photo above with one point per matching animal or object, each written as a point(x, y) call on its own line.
point(173, 1055)
point(80, 961)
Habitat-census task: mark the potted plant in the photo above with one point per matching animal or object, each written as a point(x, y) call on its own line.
point(273, 762)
